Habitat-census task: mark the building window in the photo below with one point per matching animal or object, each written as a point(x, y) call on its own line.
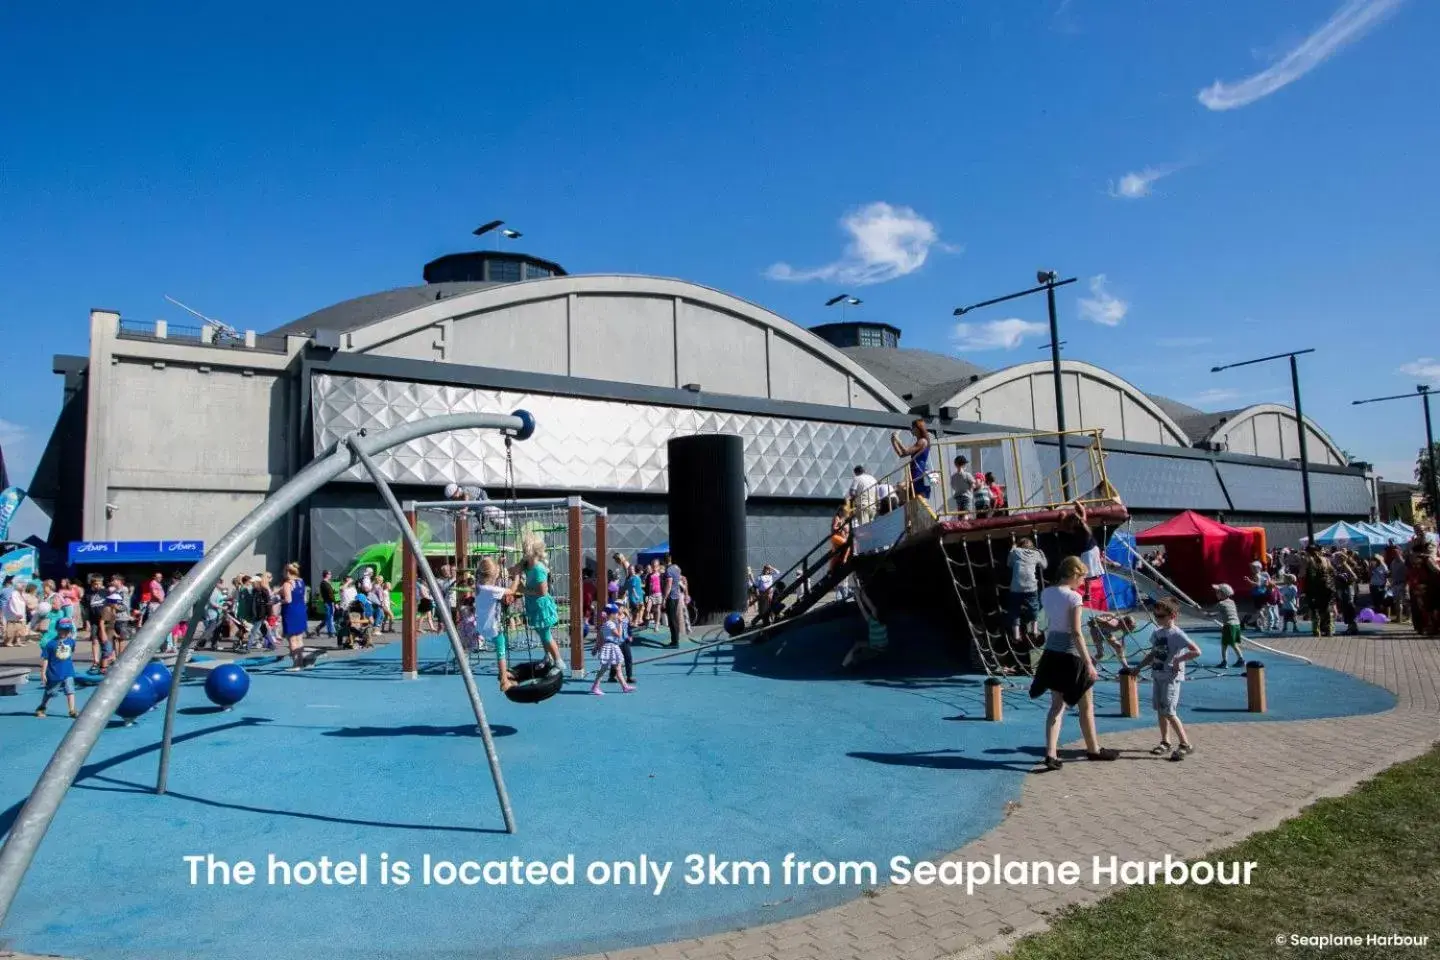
point(503, 271)
point(873, 337)
point(534, 272)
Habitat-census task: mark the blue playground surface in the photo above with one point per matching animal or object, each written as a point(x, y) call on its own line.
point(748, 753)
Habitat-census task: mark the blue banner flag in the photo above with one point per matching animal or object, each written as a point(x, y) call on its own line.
point(10, 500)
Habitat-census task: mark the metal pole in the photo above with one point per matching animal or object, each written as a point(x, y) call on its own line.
point(1065, 480)
point(574, 518)
point(39, 810)
point(181, 658)
point(1304, 450)
point(410, 628)
point(1430, 455)
point(448, 621)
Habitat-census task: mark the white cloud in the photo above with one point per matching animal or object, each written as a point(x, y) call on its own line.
point(1215, 395)
point(1134, 185)
point(996, 334)
point(1348, 23)
point(1426, 368)
point(1101, 306)
point(886, 242)
point(11, 433)
point(1182, 342)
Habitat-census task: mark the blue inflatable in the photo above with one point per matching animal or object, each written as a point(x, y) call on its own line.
point(735, 624)
point(159, 677)
point(139, 699)
point(227, 685)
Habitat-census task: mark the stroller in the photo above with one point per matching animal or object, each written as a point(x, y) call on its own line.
point(357, 627)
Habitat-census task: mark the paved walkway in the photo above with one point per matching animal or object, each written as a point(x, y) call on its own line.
point(1244, 778)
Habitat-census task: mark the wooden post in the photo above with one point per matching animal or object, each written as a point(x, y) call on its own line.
point(602, 597)
point(994, 703)
point(409, 580)
point(1255, 684)
point(462, 542)
point(1129, 693)
point(577, 588)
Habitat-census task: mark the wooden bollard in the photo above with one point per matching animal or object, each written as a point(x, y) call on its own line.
point(994, 704)
point(1255, 684)
point(1129, 693)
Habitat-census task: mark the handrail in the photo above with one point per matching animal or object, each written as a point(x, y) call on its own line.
point(39, 810)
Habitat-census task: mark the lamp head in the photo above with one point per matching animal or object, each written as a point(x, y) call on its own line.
point(1216, 369)
point(1045, 276)
point(960, 311)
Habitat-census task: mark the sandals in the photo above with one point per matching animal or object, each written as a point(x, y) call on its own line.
point(1161, 750)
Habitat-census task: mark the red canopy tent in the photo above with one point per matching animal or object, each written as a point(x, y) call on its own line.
point(1200, 552)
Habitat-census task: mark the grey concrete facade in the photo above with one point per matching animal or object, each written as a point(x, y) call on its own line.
point(184, 434)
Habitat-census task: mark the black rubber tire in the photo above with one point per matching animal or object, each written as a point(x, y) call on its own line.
point(534, 682)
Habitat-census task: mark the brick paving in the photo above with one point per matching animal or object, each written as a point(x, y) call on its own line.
point(1243, 779)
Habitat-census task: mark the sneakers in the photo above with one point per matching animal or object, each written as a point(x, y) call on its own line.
point(1104, 753)
point(627, 688)
point(1053, 763)
point(40, 713)
point(595, 691)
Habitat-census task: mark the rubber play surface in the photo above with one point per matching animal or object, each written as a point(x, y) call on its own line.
point(746, 753)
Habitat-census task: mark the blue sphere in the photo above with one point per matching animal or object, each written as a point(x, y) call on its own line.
point(227, 684)
point(735, 624)
point(159, 676)
point(139, 699)
point(527, 424)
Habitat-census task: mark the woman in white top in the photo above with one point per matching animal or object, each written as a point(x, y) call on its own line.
point(1065, 669)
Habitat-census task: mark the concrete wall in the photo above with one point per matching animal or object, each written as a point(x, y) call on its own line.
point(1024, 397)
point(630, 330)
point(183, 439)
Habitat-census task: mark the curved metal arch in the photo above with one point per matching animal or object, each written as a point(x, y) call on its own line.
point(1021, 370)
point(1246, 414)
point(530, 291)
point(59, 774)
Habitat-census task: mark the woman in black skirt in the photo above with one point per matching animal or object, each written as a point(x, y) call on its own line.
point(1065, 668)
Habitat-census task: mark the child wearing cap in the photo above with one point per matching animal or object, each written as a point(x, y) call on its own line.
point(607, 648)
point(57, 667)
point(1230, 635)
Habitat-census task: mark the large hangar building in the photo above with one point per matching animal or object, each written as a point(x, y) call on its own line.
point(174, 433)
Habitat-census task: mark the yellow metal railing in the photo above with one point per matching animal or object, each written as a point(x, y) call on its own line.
point(1090, 483)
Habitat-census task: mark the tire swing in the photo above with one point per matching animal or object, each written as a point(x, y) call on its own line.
point(534, 681)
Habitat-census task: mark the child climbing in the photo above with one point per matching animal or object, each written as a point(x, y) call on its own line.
point(1230, 635)
point(488, 609)
point(1110, 630)
point(607, 647)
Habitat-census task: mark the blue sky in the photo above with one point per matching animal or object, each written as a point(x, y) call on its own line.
point(262, 160)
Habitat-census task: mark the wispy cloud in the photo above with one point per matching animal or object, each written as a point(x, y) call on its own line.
point(11, 434)
point(1426, 368)
point(1350, 22)
point(1182, 342)
point(996, 334)
point(1101, 306)
point(1137, 184)
point(886, 242)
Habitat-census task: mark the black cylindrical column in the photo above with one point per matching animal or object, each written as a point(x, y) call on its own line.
point(707, 520)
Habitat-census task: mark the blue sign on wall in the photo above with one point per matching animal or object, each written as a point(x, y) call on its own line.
point(135, 551)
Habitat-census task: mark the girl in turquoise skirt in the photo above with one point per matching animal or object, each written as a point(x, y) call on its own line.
point(541, 614)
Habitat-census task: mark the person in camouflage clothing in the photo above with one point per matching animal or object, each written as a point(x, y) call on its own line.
point(1320, 592)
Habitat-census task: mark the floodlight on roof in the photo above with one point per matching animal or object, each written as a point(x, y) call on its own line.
point(511, 234)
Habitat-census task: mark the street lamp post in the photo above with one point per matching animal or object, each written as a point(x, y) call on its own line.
point(845, 300)
point(1048, 282)
point(1299, 426)
point(1423, 392)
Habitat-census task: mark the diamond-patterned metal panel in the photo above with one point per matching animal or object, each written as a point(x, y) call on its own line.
point(589, 444)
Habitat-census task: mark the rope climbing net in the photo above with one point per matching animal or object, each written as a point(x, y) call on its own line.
point(979, 574)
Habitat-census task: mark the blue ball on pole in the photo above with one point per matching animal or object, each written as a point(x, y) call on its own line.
point(159, 676)
point(527, 424)
point(138, 699)
point(735, 624)
point(227, 685)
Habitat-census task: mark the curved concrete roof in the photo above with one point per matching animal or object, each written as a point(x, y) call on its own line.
point(416, 313)
point(1024, 370)
point(1226, 423)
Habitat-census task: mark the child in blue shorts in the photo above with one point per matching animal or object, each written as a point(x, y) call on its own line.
point(57, 666)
